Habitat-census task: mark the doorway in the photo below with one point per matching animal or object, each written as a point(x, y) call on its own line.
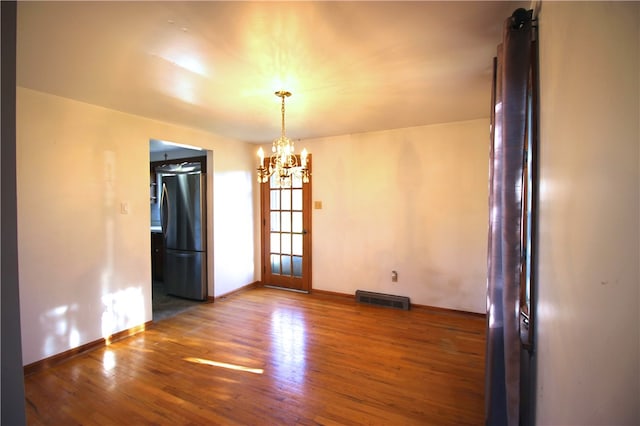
point(286, 234)
point(166, 159)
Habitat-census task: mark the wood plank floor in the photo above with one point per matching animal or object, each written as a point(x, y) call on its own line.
point(271, 357)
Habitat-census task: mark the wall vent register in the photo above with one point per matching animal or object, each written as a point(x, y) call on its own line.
point(385, 300)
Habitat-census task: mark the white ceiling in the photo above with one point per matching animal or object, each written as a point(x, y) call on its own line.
point(352, 66)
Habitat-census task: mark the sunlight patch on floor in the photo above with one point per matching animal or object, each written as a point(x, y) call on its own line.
point(225, 365)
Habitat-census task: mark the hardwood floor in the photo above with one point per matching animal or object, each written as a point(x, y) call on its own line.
point(271, 357)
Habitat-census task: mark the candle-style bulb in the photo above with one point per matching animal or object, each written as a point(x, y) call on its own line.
point(261, 155)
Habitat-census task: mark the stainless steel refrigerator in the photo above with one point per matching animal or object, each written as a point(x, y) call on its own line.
point(184, 226)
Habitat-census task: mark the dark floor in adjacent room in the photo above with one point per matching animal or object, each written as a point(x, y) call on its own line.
point(165, 306)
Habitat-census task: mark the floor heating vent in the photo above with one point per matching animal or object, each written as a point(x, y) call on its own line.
point(385, 300)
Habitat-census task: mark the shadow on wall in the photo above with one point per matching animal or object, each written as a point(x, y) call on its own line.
point(59, 325)
point(123, 309)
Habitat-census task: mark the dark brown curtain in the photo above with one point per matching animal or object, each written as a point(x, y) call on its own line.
point(510, 134)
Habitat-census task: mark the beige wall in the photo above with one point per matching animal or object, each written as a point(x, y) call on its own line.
point(412, 200)
point(85, 269)
point(588, 305)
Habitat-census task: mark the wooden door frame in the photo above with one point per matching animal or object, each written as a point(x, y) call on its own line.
point(265, 250)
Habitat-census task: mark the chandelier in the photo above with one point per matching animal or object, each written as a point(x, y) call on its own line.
point(283, 163)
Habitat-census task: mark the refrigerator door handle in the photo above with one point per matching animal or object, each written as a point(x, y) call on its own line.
point(164, 210)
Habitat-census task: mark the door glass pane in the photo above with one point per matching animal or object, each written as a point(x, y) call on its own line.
point(296, 199)
point(286, 221)
point(286, 265)
point(296, 182)
point(275, 221)
point(296, 245)
point(275, 199)
point(285, 200)
point(273, 181)
point(297, 266)
point(286, 244)
point(275, 263)
point(296, 222)
point(275, 242)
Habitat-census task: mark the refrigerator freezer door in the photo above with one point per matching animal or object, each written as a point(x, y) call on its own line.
point(183, 211)
point(186, 274)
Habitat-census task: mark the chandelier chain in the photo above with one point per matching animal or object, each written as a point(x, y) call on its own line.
point(282, 110)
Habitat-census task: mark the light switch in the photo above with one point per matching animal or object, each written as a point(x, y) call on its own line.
point(124, 207)
point(317, 205)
